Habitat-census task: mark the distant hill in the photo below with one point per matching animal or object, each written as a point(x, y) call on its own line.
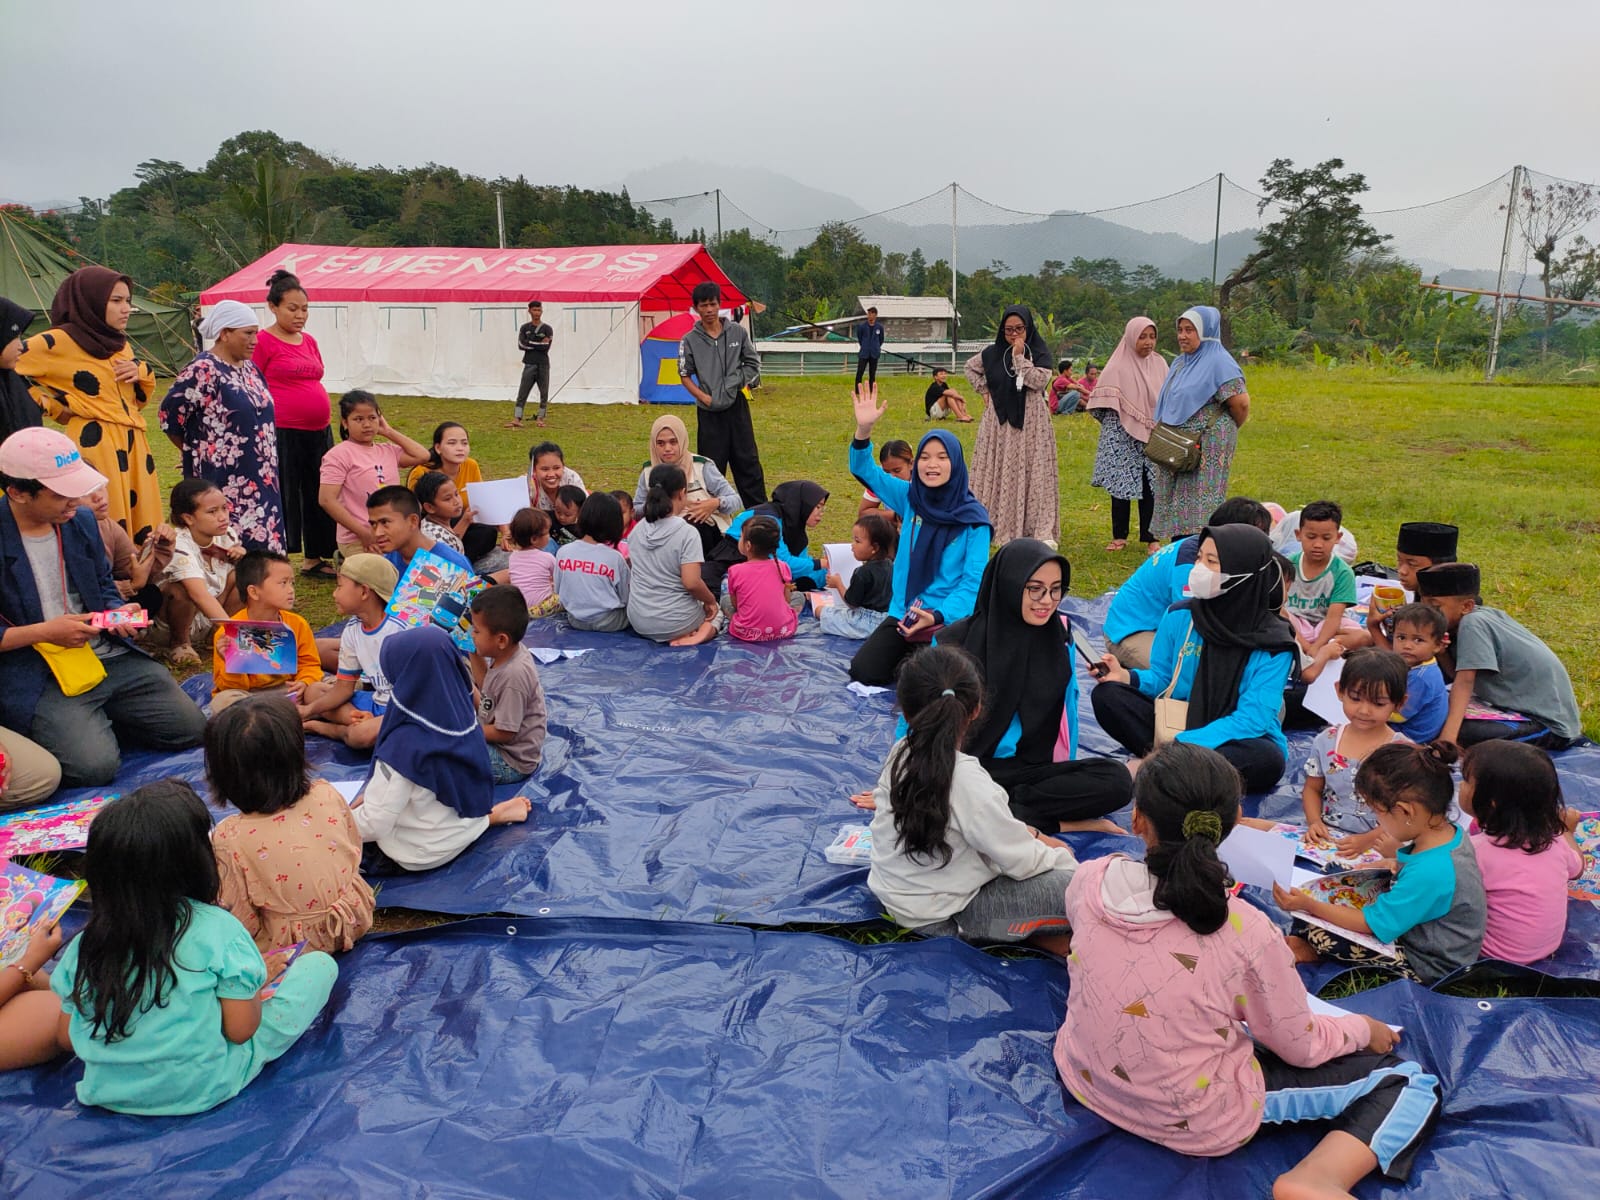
point(773, 199)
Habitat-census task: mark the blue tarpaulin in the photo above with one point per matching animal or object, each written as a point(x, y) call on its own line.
point(589, 1058)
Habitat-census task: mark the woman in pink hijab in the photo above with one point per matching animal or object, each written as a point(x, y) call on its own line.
point(1124, 402)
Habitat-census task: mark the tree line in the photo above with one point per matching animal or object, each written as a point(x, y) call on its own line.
point(1319, 285)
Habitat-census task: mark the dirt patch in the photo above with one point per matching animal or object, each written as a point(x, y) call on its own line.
point(1452, 448)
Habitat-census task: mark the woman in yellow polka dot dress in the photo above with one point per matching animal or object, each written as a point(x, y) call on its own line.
point(86, 378)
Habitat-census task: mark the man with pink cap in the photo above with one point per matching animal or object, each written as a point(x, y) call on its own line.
point(54, 574)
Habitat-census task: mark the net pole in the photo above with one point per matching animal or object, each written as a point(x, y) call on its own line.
point(955, 319)
point(719, 218)
point(1500, 282)
point(1216, 239)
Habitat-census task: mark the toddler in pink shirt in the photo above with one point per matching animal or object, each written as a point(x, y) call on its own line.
point(1524, 846)
point(532, 569)
point(759, 588)
point(1187, 1023)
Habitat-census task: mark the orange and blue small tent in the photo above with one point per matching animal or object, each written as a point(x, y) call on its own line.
point(658, 362)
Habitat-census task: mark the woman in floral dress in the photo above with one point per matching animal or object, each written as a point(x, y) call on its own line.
point(219, 413)
point(1204, 395)
point(1014, 461)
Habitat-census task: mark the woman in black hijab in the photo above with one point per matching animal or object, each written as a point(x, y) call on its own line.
point(797, 508)
point(18, 409)
point(1226, 652)
point(1030, 703)
point(1014, 462)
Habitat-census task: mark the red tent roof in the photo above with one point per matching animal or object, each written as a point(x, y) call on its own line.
point(660, 278)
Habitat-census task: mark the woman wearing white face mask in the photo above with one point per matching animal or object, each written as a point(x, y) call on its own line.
point(1226, 653)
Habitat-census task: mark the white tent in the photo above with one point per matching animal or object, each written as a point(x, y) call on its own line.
point(439, 321)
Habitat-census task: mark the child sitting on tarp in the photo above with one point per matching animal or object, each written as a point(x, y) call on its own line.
point(1506, 682)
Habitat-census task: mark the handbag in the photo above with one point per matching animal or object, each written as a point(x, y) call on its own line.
point(1172, 716)
point(1174, 448)
point(77, 668)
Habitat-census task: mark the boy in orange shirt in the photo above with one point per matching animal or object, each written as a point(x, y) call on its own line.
point(266, 581)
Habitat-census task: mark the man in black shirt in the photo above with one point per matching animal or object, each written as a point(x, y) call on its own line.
point(534, 339)
point(941, 400)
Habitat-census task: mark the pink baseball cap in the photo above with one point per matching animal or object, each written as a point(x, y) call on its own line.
point(50, 457)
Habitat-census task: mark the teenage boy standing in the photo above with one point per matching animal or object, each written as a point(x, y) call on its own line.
point(717, 361)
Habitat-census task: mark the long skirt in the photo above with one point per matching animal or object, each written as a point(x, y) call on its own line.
point(1014, 474)
point(1184, 503)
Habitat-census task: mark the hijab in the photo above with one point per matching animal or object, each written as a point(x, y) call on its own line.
point(1010, 401)
point(686, 460)
point(1236, 624)
point(430, 732)
point(1130, 385)
point(1195, 378)
point(791, 506)
point(79, 310)
point(944, 511)
point(1027, 669)
point(18, 409)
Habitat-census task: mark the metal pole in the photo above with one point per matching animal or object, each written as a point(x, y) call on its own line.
point(500, 215)
point(1216, 237)
point(719, 217)
point(955, 320)
point(1500, 283)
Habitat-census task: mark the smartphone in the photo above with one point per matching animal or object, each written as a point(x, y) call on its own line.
point(1096, 668)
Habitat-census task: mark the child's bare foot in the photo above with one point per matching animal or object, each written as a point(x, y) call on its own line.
point(866, 800)
point(699, 637)
point(511, 812)
point(1301, 949)
point(325, 729)
point(1098, 825)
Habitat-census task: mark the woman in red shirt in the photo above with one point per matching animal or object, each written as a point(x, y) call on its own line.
point(289, 360)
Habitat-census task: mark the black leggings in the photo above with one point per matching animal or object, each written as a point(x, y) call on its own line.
point(1129, 716)
point(881, 654)
point(1045, 794)
point(300, 454)
point(1120, 511)
point(867, 367)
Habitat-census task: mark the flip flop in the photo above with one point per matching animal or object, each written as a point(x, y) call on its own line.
point(1117, 544)
point(323, 570)
point(513, 424)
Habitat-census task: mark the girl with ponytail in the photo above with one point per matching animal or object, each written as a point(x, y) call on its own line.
point(947, 855)
point(1188, 1024)
point(1436, 911)
point(668, 601)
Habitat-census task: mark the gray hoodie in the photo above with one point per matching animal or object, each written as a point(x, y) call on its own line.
point(720, 365)
point(659, 606)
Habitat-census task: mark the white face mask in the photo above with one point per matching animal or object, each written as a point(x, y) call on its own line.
point(1206, 584)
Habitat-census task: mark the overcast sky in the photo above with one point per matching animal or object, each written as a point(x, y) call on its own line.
point(1036, 106)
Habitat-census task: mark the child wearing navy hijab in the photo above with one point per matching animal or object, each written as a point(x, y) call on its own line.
point(431, 793)
point(944, 542)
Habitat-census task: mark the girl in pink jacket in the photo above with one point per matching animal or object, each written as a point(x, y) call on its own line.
point(1167, 972)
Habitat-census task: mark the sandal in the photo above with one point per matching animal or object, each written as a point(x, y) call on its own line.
point(1116, 544)
point(183, 656)
point(323, 570)
point(513, 424)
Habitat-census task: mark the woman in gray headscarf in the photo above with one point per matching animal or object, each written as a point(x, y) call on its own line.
point(219, 413)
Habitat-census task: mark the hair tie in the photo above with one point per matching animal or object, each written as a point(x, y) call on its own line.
point(948, 692)
point(1202, 822)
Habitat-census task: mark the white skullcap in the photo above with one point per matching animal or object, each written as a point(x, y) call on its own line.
point(228, 314)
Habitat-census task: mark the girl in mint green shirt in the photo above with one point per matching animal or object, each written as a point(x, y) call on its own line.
point(164, 995)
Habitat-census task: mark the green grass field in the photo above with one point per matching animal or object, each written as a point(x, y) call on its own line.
point(1515, 467)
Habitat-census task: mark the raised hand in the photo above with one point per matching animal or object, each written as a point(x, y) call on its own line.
point(868, 410)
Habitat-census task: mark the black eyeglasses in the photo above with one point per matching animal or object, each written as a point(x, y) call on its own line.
point(1040, 591)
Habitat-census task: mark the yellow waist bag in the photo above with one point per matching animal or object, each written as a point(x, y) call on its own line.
point(76, 668)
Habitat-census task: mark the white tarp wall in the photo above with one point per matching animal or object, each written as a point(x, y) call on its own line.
point(469, 350)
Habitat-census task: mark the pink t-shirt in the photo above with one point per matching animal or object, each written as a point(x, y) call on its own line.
point(533, 573)
point(294, 377)
point(358, 471)
point(762, 607)
point(1527, 896)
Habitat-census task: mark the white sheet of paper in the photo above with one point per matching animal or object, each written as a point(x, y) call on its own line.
point(864, 689)
point(1321, 698)
point(1257, 857)
point(841, 561)
point(545, 655)
point(1322, 1008)
point(1299, 876)
point(497, 500)
point(349, 789)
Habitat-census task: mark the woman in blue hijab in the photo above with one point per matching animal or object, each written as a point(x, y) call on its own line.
point(431, 792)
point(1204, 395)
point(944, 542)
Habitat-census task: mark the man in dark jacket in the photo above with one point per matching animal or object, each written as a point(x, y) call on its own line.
point(869, 337)
point(54, 574)
point(717, 362)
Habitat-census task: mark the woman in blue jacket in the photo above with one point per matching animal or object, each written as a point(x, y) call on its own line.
point(797, 508)
point(944, 542)
point(1226, 652)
